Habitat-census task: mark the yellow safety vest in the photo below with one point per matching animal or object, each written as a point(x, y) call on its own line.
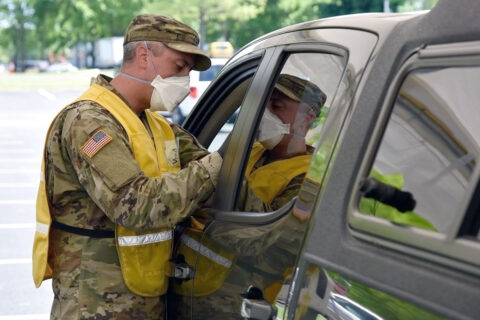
point(143, 255)
point(270, 180)
point(212, 264)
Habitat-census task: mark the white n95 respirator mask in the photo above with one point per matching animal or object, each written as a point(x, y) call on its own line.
point(169, 92)
point(271, 130)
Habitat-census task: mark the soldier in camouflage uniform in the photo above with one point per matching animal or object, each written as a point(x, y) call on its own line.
point(109, 188)
point(296, 102)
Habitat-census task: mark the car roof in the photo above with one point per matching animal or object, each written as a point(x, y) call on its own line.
point(439, 25)
point(378, 23)
point(381, 23)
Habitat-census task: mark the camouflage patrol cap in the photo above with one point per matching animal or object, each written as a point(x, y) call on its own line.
point(302, 91)
point(173, 33)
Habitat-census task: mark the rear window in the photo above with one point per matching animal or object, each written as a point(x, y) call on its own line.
point(431, 147)
point(209, 74)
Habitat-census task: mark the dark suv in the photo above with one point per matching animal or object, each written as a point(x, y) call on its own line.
point(385, 222)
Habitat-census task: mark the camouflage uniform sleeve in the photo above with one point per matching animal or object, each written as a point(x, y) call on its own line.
point(189, 148)
point(292, 190)
point(114, 180)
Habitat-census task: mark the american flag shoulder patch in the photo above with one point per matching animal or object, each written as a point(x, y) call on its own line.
point(99, 140)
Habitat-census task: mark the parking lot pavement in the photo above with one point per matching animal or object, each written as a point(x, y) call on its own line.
point(25, 115)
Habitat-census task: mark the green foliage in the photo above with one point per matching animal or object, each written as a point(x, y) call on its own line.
point(271, 18)
point(211, 18)
point(412, 5)
point(89, 20)
point(380, 303)
point(32, 28)
point(376, 208)
point(16, 18)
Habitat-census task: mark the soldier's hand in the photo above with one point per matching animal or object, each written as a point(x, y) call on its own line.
point(209, 202)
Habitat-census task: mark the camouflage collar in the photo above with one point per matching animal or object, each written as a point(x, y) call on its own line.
point(104, 81)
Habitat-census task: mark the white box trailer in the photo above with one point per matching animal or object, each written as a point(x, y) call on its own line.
point(109, 52)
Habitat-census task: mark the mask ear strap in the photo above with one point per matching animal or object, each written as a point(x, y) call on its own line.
point(295, 122)
point(150, 56)
point(296, 135)
point(135, 78)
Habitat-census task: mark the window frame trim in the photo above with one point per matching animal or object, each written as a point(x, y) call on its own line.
point(448, 248)
point(274, 58)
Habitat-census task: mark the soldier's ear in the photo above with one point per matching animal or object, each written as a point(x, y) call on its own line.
point(141, 57)
point(311, 116)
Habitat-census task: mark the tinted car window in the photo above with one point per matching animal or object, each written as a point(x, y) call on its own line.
point(291, 124)
point(430, 147)
point(210, 73)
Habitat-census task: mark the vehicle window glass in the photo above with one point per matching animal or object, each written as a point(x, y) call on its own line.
point(290, 126)
point(210, 73)
point(223, 133)
point(429, 150)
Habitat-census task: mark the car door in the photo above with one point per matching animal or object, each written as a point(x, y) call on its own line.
point(412, 254)
point(244, 258)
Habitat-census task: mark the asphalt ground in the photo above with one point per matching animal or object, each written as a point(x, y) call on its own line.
point(28, 103)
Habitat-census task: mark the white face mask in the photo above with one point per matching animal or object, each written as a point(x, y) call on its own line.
point(167, 93)
point(271, 130)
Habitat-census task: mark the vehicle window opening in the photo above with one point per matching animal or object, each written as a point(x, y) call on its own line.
point(290, 126)
point(471, 224)
point(218, 122)
point(428, 154)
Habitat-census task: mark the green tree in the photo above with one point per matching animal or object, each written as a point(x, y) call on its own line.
point(412, 5)
point(335, 8)
point(64, 24)
point(209, 17)
point(32, 28)
point(280, 13)
point(16, 16)
point(269, 19)
point(44, 16)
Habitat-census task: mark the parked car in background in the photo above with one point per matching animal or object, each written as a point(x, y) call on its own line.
point(109, 52)
point(35, 66)
point(220, 49)
point(62, 67)
point(199, 81)
point(386, 224)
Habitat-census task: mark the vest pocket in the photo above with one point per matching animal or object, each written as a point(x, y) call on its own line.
point(212, 265)
point(144, 259)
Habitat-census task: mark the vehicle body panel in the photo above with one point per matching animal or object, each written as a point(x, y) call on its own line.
point(365, 274)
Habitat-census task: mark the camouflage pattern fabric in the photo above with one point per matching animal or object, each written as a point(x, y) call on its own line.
point(154, 27)
point(96, 193)
point(172, 33)
point(302, 91)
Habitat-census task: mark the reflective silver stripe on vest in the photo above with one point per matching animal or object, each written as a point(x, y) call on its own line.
point(206, 252)
point(144, 239)
point(42, 227)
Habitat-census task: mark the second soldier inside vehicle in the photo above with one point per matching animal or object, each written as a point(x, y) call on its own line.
point(274, 175)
